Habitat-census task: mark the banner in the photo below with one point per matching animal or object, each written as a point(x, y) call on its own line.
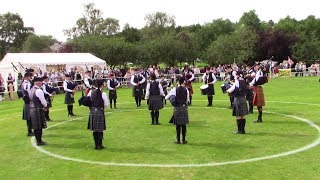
point(284, 73)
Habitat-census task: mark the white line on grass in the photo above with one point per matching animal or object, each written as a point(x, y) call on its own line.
point(304, 148)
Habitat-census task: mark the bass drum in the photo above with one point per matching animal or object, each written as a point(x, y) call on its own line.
point(204, 89)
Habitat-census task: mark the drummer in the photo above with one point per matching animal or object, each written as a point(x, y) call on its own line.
point(209, 78)
point(231, 74)
point(189, 77)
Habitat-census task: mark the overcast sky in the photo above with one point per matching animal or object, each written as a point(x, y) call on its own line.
point(50, 17)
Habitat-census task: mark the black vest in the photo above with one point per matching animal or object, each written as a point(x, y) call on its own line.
point(36, 101)
point(241, 90)
point(90, 81)
point(154, 88)
point(9, 79)
point(70, 85)
point(136, 78)
point(96, 98)
point(181, 96)
point(231, 76)
point(210, 78)
point(113, 83)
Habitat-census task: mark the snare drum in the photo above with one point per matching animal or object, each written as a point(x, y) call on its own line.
point(225, 86)
point(204, 89)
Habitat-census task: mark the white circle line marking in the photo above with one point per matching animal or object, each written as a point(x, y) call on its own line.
point(304, 148)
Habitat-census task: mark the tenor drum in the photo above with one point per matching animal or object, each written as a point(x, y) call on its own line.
point(204, 89)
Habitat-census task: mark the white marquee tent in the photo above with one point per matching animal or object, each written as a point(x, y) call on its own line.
point(48, 61)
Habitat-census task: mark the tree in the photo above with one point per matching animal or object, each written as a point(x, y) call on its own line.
point(130, 34)
point(37, 44)
point(251, 20)
point(160, 20)
point(12, 33)
point(92, 22)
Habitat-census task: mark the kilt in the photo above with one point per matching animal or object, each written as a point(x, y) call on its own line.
point(258, 97)
point(26, 112)
point(249, 95)
point(190, 88)
point(240, 107)
point(96, 121)
point(112, 94)
point(69, 98)
point(38, 119)
point(137, 91)
point(211, 89)
point(155, 102)
point(180, 115)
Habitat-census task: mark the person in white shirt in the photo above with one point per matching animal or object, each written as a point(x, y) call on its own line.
point(209, 78)
point(154, 97)
point(137, 80)
point(69, 87)
point(88, 82)
point(37, 108)
point(258, 97)
point(97, 122)
point(26, 92)
point(48, 91)
point(113, 85)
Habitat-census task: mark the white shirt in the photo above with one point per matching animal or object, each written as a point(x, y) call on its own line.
point(44, 89)
point(65, 86)
point(104, 97)
point(173, 93)
point(192, 76)
point(108, 84)
point(205, 77)
point(258, 75)
point(27, 86)
point(148, 90)
point(234, 86)
point(39, 93)
point(139, 75)
point(86, 82)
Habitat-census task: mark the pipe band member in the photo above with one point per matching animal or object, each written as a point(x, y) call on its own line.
point(113, 85)
point(97, 121)
point(69, 88)
point(37, 108)
point(137, 80)
point(209, 78)
point(258, 96)
point(88, 82)
point(180, 114)
point(189, 76)
point(154, 97)
point(26, 92)
point(240, 108)
point(48, 91)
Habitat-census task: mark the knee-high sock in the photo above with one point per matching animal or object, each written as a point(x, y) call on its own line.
point(110, 100)
point(68, 107)
point(95, 138)
point(190, 97)
point(243, 125)
point(37, 134)
point(239, 124)
point(178, 131)
point(71, 109)
point(156, 114)
point(250, 106)
point(152, 116)
point(260, 113)
point(100, 138)
point(115, 103)
point(137, 100)
point(184, 131)
point(29, 126)
point(208, 100)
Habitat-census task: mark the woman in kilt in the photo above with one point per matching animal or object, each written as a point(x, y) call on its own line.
point(37, 108)
point(240, 108)
point(136, 81)
point(112, 85)
point(209, 78)
point(180, 114)
point(258, 96)
point(154, 97)
point(97, 122)
point(69, 88)
point(48, 91)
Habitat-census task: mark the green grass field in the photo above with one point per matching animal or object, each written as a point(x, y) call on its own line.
point(133, 144)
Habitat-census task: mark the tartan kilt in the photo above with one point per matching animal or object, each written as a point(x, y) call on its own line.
point(38, 119)
point(240, 107)
point(26, 112)
point(155, 102)
point(96, 121)
point(69, 98)
point(211, 89)
point(137, 91)
point(180, 115)
point(190, 88)
point(258, 97)
point(112, 94)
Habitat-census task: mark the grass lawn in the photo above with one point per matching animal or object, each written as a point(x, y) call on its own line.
point(131, 140)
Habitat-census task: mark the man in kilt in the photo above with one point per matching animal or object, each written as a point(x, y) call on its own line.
point(37, 108)
point(96, 121)
point(164, 84)
point(240, 108)
point(154, 97)
point(137, 80)
point(209, 78)
point(112, 85)
point(189, 76)
point(48, 91)
point(69, 88)
point(258, 97)
point(249, 96)
point(26, 92)
point(88, 82)
point(180, 114)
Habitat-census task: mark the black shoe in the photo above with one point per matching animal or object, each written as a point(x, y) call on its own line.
point(239, 132)
point(258, 121)
point(209, 105)
point(42, 143)
point(184, 142)
point(30, 134)
point(101, 147)
point(177, 142)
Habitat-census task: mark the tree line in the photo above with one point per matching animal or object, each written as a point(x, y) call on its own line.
point(162, 41)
